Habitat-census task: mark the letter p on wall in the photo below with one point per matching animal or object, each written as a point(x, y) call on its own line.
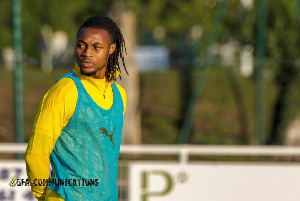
point(155, 183)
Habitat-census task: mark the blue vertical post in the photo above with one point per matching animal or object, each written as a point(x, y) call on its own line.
point(261, 26)
point(18, 73)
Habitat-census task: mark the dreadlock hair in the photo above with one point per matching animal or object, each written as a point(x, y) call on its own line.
point(106, 23)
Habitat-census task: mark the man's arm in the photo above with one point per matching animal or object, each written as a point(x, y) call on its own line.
point(56, 108)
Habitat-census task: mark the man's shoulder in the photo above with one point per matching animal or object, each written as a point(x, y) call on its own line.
point(61, 91)
point(121, 89)
point(63, 85)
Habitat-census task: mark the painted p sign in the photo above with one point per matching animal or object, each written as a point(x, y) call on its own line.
point(153, 183)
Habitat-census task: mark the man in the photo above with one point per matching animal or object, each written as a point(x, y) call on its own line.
point(79, 124)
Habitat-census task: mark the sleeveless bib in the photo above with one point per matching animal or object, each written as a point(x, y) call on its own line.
point(85, 155)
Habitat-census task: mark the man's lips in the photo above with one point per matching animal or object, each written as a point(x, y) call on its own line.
point(87, 64)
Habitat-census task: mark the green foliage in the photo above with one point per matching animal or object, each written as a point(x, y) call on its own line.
point(283, 30)
point(5, 23)
point(239, 23)
point(65, 15)
point(177, 17)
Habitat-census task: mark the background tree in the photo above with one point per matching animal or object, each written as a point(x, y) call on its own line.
point(282, 55)
point(283, 46)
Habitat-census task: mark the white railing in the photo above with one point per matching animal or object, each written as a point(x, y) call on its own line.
point(184, 151)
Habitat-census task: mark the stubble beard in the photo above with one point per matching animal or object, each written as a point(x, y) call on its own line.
point(87, 74)
point(90, 74)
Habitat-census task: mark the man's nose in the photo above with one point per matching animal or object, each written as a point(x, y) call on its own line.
point(87, 52)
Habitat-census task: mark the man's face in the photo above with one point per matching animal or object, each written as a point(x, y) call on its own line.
point(93, 48)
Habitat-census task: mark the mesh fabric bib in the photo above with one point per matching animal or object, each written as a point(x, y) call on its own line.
point(85, 156)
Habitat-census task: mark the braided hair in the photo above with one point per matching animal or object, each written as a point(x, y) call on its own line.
point(116, 36)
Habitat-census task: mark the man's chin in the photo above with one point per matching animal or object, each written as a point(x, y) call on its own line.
point(87, 73)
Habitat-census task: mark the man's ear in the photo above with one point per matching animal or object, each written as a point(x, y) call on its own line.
point(112, 48)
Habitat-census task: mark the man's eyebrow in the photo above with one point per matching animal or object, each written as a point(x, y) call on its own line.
point(97, 43)
point(80, 40)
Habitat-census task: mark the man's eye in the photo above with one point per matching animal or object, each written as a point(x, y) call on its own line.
point(97, 47)
point(80, 45)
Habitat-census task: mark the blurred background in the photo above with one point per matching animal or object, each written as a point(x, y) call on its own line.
point(201, 72)
point(245, 60)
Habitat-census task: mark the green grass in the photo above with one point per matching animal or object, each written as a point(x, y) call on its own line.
point(164, 98)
